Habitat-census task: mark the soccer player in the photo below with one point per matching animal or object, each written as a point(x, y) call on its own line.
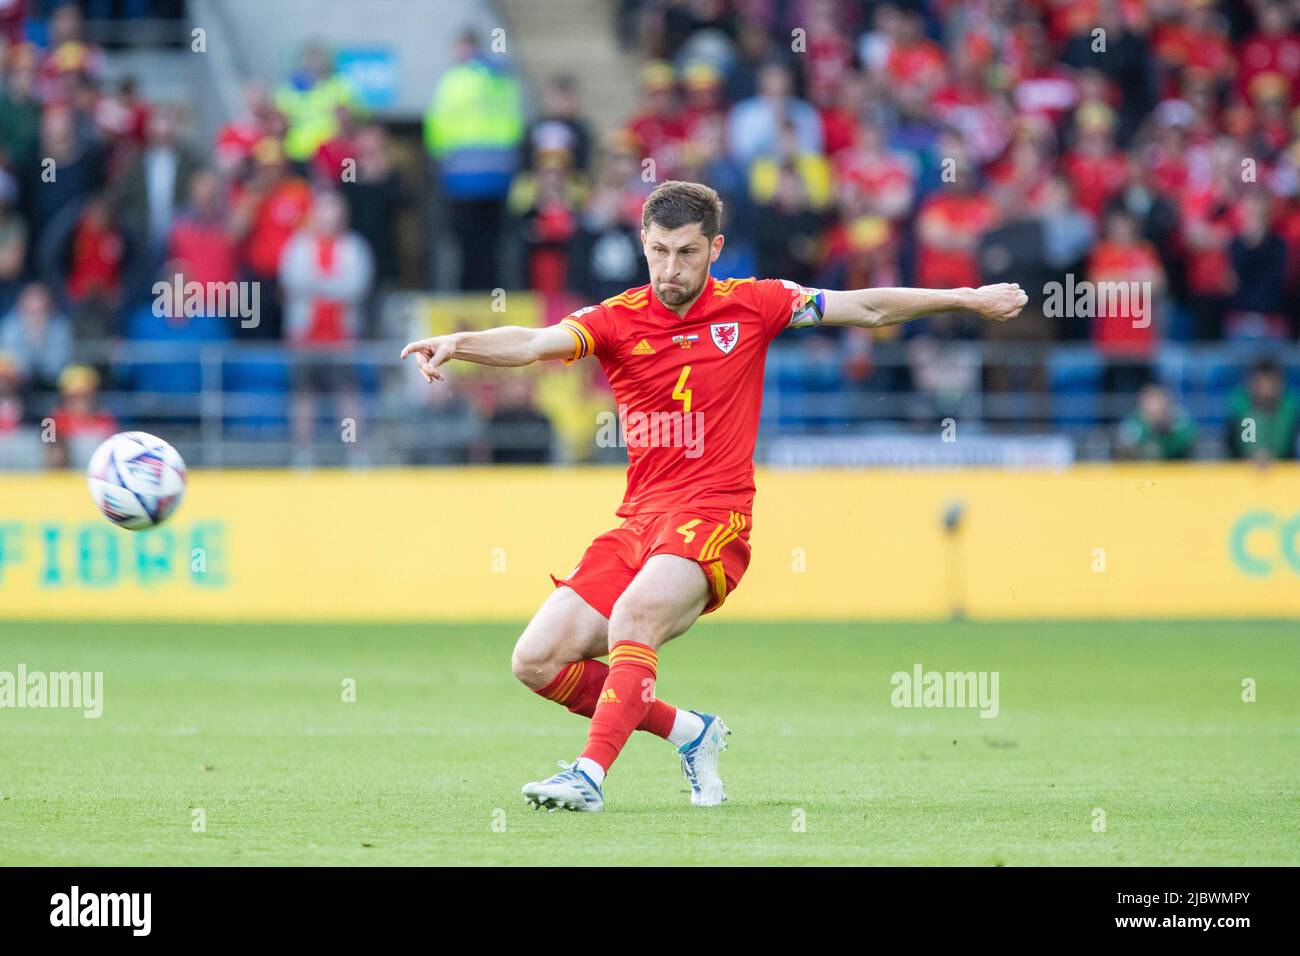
point(685, 358)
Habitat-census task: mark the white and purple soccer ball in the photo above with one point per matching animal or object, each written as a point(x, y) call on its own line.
point(136, 480)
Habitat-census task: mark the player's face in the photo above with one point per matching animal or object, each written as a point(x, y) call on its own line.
point(679, 261)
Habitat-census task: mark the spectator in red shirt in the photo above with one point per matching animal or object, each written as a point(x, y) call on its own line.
point(950, 225)
point(829, 51)
point(547, 201)
point(1166, 155)
point(658, 124)
point(268, 211)
point(1124, 326)
point(328, 164)
point(840, 114)
point(1044, 87)
point(202, 242)
point(915, 60)
point(1026, 168)
point(1095, 167)
point(94, 281)
point(876, 180)
point(1273, 48)
point(1210, 218)
point(967, 104)
point(79, 424)
point(1195, 39)
point(1207, 44)
point(261, 120)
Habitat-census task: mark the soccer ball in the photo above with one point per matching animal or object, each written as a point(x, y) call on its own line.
point(136, 480)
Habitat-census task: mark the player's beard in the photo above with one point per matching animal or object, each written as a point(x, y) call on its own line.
point(675, 297)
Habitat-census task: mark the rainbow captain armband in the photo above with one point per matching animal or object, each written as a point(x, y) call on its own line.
point(584, 343)
point(809, 307)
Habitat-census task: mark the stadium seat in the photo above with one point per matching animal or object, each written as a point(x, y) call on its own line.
point(1076, 375)
point(257, 394)
point(1219, 373)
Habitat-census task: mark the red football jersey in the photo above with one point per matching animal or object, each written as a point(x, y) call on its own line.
point(689, 390)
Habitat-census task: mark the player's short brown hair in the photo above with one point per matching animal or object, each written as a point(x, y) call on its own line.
point(675, 204)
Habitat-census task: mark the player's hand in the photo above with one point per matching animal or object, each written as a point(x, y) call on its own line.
point(999, 302)
point(430, 354)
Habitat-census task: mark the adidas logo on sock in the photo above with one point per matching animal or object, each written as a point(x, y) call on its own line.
point(608, 695)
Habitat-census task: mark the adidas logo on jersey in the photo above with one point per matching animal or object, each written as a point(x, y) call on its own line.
point(643, 348)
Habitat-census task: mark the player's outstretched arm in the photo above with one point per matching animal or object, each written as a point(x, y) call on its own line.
point(873, 308)
point(507, 347)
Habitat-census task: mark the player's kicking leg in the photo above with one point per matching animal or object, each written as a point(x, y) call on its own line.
point(555, 658)
point(664, 599)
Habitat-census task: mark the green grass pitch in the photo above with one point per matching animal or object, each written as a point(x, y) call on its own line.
point(1142, 721)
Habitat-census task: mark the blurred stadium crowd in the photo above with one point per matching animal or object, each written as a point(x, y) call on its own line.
point(855, 144)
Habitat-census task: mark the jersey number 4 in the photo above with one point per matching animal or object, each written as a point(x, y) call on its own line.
point(681, 392)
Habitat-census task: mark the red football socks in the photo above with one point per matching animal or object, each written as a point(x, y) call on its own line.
point(623, 702)
point(578, 685)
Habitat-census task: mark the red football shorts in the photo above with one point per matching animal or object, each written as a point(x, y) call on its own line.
point(716, 540)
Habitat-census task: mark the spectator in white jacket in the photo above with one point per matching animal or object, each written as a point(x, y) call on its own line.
point(325, 275)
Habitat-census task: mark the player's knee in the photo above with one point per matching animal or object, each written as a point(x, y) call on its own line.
point(533, 669)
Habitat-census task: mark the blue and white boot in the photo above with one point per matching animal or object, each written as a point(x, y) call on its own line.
point(571, 789)
point(700, 761)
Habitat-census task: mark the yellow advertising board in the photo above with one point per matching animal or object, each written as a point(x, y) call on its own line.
point(1136, 541)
